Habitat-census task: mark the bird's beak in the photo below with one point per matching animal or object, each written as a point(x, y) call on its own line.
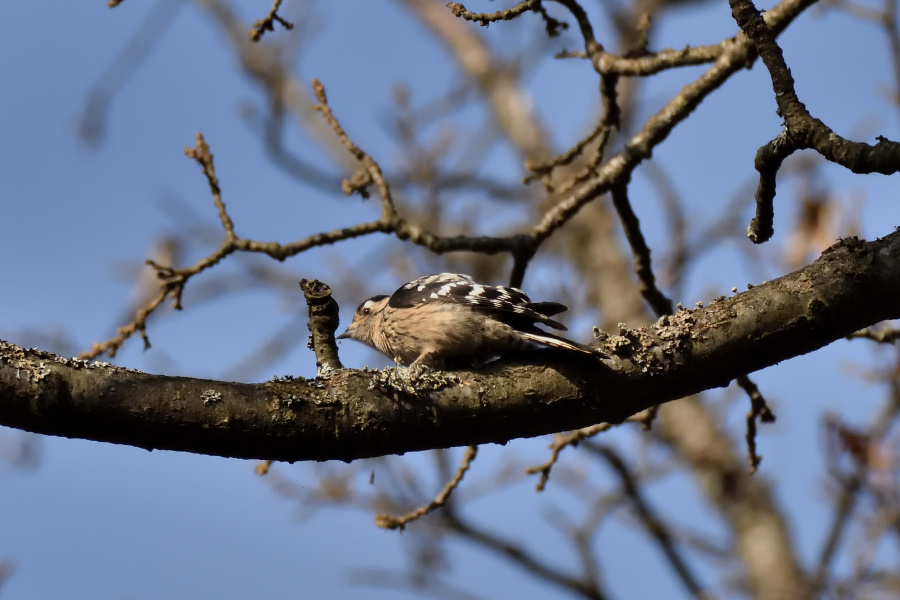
point(343, 336)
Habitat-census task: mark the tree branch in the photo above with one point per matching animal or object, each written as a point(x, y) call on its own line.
point(355, 414)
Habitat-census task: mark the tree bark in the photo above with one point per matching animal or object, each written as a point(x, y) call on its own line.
point(352, 414)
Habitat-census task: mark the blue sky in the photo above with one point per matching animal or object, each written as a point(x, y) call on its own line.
point(101, 521)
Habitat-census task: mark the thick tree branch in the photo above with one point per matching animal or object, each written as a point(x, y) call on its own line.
point(356, 414)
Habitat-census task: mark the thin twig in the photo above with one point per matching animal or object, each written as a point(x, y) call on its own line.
point(204, 158)
point(735, 55)
point(572, 438)
point(561, 441)
point(652, 522)
point(388, 212)
point(386, 521)
point(844, 508)
point(543, 168)
point(758, 410)
point(261, 26)
point(549, 572)
point(137, 325)
point(658, 301)
point(484, 19)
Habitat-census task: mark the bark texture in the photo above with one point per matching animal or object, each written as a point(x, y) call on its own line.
point(351, 414)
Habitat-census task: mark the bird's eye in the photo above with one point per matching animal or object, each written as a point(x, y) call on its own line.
point(366, 311)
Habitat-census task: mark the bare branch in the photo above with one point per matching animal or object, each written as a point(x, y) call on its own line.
point(386, 521)
point(323, 321)
point(484, 19)
point(651, 521)
point(802, 130)
point(736, 54)
point(851, 285)
point(529, 562)
point(658, 301)
point(268, 23)
point(759, 533)
point(758, 410)
point(388, 212)
point(543, 168)
point(560, 442)
point(137, 325)
point(204, 158)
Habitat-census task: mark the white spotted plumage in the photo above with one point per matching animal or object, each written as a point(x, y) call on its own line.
point(448, 316)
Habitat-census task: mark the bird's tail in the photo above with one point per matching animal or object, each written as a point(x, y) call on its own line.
point(555, 341)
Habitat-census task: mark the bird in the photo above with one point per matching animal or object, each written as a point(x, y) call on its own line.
point(449, 318)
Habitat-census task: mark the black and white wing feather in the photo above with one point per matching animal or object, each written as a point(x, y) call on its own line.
point(462, 289)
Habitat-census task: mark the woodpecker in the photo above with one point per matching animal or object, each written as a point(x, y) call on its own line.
point(448, 316)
